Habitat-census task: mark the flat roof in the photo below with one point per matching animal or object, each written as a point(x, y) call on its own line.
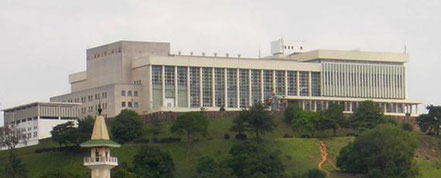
point(350, 55)
point(40, 103)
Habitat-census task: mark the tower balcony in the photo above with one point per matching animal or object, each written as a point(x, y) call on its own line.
point(91, 161)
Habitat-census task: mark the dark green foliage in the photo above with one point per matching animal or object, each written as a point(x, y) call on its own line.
point(60, 174)
point(407, 127)
point(189, 124)
point(251, 159)
point(386, 148)
point(257, 120)
point(306, 122)
point(367, 115)
point(227, 136)
point(331, 118)
point(152, 162)
point(205, 166)
point(122, 173)
point(291, 112)
point(430, 122)
point(315, 173)
point(15, 167)
point(65, 134)
point(126, 126)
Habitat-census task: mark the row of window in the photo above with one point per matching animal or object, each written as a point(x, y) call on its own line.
point(129, 93)
point(130, 104)
point(93, 108)
point(24, 120)
point(349, 106)
point(89, 98)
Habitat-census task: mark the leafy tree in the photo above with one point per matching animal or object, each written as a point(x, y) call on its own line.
point(122, 173)
point(292, 112)
point(10, 137)
point(85, 128)
point(152, 162)
point(386, 149)
point(16, 168)
point(430, 122)
point(306, 122)
point(64, 133)
point(407, 127)
point(205, 167)
point(260, 120)
point(126, 126)
point(251, 159)
point(190, 123)
point(367, 115)
point(240, 122)
point(331, 118)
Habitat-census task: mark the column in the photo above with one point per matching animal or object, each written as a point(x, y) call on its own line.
point(298, 83)
point(309, 85)
point(261, 87)
point(163, 85)
point(225, 89)
point(249, 88)
point(150, 86)
point(237, 89)
point(188, 87)
point(213, 92)
point(200, 88)
point(286, 83)
point(274, 82)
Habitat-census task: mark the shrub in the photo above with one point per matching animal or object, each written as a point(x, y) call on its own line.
point(152, 162)
point(305, 136)
point(227, 136)
point(241, 136)
point(287, 136)
point(126, 126)
point(169, 140)
point(141, 140)
point(407, 127)
point(315, 173)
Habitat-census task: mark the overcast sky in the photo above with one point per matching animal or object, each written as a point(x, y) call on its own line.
point(43, 41)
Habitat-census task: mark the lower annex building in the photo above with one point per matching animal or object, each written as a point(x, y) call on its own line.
point(147, 77)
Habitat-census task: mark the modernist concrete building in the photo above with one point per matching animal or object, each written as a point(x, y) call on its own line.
point(36, 120)
point(147, 77)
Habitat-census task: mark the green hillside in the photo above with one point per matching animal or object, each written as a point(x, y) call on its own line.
point(299, 155)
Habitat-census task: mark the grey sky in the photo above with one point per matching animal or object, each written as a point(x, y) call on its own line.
point(44, 41)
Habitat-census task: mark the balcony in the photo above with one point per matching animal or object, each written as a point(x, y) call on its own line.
point(90, 161)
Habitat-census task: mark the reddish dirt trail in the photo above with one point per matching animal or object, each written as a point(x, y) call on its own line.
point(324, 156)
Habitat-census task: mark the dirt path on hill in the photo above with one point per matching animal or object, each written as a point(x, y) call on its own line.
point(324, 156)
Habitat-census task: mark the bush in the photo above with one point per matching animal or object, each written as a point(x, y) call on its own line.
point(169, 140)
point(152, 162)
point(241, 136)
point(305, 136)
point(227, 136)
point(287, 136)
point(141, 140)
point(407, 127)
point(315, 173)
point(386, 148)
point(126, 126)
point(352, 135)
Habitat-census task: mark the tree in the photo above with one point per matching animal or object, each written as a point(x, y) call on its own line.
point(331, 118)
point(252, 159)
point(207, 167)
point(240, 122)
point(10, 137)
point(306, 122)
point(126, 126)
point(315, 173)
point(260, 120)
point(84, 131)
point(386, 149)
point(367, 115)
point(64, 134)
point(190, 123)
point(292, 112)
point(152, 162)
point(430, 122)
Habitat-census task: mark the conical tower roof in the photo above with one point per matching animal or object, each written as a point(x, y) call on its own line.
point(100, 136)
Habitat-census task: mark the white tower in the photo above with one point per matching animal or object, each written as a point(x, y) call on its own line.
point(100, 162)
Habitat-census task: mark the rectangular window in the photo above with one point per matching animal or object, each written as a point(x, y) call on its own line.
point(219, 75)
point(123, 93)
point(129, 93)
point(182, 76)
point(244, 88)
point(169, 75)
point(280, 82)
point(255, 86)
point(123, 104)
point(232, 87)
point(129, 104)
point(304, 83)
point(136, 104)
point(195, 87)
point(157, 75)
point(292, 83)
point(207, 87)
point(135, 93)
point(267, 84)
point(315, 83)
point(35, 134)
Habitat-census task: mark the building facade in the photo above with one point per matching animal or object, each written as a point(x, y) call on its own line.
point(36, 120)
point(147, 78)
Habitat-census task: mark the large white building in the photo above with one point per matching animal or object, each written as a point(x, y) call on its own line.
point(37, 119)
point(147, 77)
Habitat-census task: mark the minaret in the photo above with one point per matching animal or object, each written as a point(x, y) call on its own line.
point(100, 162)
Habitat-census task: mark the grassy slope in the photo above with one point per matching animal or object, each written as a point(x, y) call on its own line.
point(299, 155)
